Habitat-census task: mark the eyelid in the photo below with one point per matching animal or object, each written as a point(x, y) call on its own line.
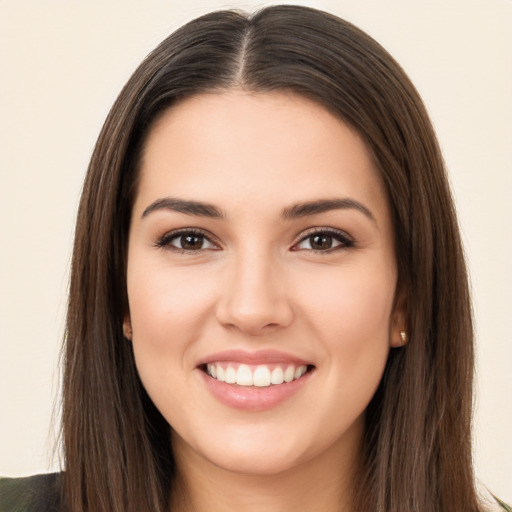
point(163, 242)
point(346, 240)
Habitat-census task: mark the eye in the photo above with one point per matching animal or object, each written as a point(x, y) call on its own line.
point(324, 240)
point(187, 241)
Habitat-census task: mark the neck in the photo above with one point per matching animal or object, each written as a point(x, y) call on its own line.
point(324, 484)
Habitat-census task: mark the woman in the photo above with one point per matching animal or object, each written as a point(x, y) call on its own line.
point(269, 305)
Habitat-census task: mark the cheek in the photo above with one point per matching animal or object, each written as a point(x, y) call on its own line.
point(352, 306)
point(352, 322)
point(351, 319)
point(167, 309)
point(166, 305)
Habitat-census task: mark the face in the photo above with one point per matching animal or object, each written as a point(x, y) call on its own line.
point(261, 280)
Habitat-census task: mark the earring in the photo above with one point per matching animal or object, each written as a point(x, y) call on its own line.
point(403, 337)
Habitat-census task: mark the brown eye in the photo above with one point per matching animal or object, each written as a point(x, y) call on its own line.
point(324, 241)
point(187, 241)
point(320, 242)
point(190, 242)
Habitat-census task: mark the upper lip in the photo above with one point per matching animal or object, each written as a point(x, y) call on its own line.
point(257, 357)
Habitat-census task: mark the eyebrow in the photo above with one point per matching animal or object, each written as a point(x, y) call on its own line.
point(195, 208)
point(325, 205)
point(200, 209)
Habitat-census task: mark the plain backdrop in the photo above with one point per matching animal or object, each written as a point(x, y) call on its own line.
point(62, 64)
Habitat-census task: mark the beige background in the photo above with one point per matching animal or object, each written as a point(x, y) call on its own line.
point(61, 66)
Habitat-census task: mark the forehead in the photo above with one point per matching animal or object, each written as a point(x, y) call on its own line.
point(270, 147)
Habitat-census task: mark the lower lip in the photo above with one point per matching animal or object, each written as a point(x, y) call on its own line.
point(252, 398)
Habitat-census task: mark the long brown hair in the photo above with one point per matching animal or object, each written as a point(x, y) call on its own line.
point(417, 446)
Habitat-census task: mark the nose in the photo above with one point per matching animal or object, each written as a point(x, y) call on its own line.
point(255, 298)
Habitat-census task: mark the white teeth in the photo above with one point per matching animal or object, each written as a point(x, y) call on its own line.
point(230, 375)
point(212, 370)
point(277, 376)
point(300, 371)
point(261, 377)
point(289, 374)
point(244, 376)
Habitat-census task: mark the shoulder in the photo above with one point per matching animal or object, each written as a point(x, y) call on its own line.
point(498, 506)
point(503, 506)
point(38, 493)
point(490, 502)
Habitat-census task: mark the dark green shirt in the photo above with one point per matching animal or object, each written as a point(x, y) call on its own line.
point(41, 493)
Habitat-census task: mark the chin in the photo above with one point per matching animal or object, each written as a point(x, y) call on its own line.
point(256, 463)
point(249, 450)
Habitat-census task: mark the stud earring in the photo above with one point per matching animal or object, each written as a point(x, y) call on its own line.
point(403, 337)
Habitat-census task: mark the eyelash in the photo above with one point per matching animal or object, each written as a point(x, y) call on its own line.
point(345, 241)
point(166, 241)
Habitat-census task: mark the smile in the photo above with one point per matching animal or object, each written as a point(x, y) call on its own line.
point(256, 381)
point(262, 375)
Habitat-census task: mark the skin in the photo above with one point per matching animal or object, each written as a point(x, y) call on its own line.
point(255, 283)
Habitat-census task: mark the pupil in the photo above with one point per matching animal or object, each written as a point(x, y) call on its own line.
point(321, 242)
point(191, 242)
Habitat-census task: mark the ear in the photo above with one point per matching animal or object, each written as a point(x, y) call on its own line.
point(127, 327)
point(399, 335)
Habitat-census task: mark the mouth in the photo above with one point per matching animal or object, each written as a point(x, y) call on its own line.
point(254, 381)
point(255, 375)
